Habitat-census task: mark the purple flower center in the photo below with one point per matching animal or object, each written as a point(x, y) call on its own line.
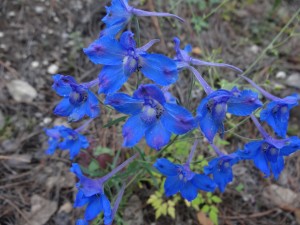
point(78, 97)
point(151, 111)
point(184, 173)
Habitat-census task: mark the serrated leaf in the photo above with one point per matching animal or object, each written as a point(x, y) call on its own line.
point(171, 212)
point(214, 217)
point(216, 199)
point(205, 208)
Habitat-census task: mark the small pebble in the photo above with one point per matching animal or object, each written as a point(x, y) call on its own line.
point(1, 34)
point(281, 75)
point(39, 9)
point(52, 69)
point(35, 64)
point(21, 91)
point(254, 49)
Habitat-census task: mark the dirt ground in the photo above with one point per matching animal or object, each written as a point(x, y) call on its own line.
point(41, 37)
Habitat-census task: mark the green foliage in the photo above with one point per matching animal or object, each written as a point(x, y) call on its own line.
point(161, 205)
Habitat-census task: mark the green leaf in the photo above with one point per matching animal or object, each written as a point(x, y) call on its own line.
point(205, 208)
point(214, 217)
point(171, 212)
point(116, 121)
point(102, 150)
point(94, 166)
point(216, 199)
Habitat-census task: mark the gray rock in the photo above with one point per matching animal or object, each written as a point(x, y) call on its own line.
point(281, 75)
point(293, 80)
point(133, 214)
point(2, 120)
point(21, 91)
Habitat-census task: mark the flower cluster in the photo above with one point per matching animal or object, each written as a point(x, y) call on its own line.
point(155, 114)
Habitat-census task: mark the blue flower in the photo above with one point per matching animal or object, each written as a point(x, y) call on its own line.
point(121, 59)
point(267, 154)
point(277, 113)
point(120, 13)
point(212, 110)
point(91, 193)
point(77, 101)
point(151, 116)
point(82, 222)
point(184, 60)
point(65, 138)
point(221, 169)
point(179, 178)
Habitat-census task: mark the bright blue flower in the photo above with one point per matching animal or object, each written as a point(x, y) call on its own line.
point(267, 154)
point(91, 193)
point(65, 138)
point(179, 178)
point(77, 101)
point(221, 169)
point(277, 113)
point(121, 59)
point(151, 116)
point(120, 13)
point(213, 108)
point(82, 222)
point(184, 60)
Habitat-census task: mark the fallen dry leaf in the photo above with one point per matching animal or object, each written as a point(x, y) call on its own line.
point(196, 51)
point(203, 219)
point(41, 210)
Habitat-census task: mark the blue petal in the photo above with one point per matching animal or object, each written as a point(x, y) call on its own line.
point(165, 167)
point(277, 167)
point(124, 103)
point(75, 149)
point(53, 144)
point(64, 108)
point(105, 50)
point(177, 119)
point(222, 179)
point(159, 68)
point(243, 103)
point(203, 182)
point(78, 112)
point(80, 200)
point(251, 149)
point(133, 130)
point(62, 83)
point(292, 146)
point(127, 40)
point(261, 162)
point(157, 136)
point(82, 222)
point(150, 91)
point(189, 191)
point(92, 105)
point(111, 79)
point(106, 209)
point(93, 209)
point(172, 185)
point(76, 170)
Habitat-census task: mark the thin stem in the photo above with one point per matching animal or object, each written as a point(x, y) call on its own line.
point(262, 131)
point(192, 153)
point(118, 168)
point(261, 90)
point(199, 62)
point(91, 83)
point(139, 12)
point(117, 202)
point(83, 126)
point(204, 84)
point(148, 45)
point(217, 150)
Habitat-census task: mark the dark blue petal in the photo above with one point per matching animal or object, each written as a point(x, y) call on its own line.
point(76, 170)
point(106, 209)
point(157, 136)
point(64, 108)
point(75, 149)
point(261, 162)
point(82, 222)
point(92, 105)
point(203, 183)
point(105, 50)
point(150, 91)
point(127, 40)
point(222, 178)
point(165, 167)
point(292, 146)
point(251, 149)
point(277, 167)
point(189, 191)
point(124, 103)
point(177, 119)
point(111, 79)
point(159, 68)
point(80, 200)
point(78, 112)
point(53, 144)
point(243, 103)
point(62, 83)
point(93, 209)
point(173, 185)
point(133, 130)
